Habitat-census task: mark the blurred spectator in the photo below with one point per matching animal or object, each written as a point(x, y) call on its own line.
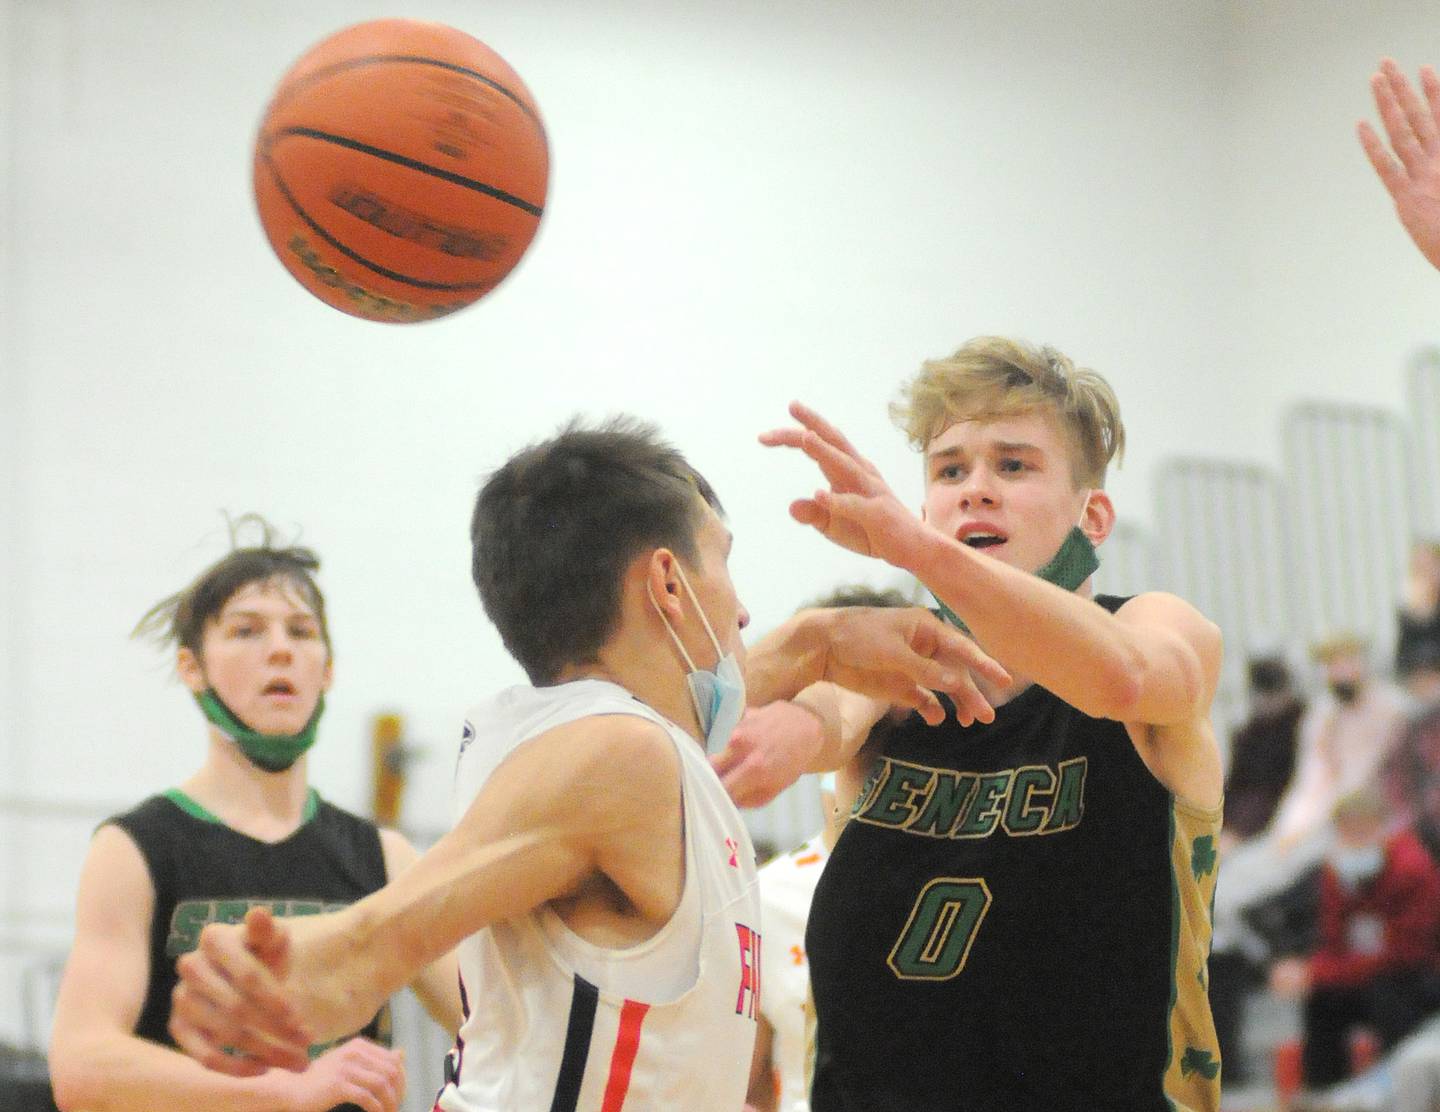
point(1265, 898)
point(1345, 738)
point(1417, 651)
point(1377, 966)
point(1412, 778)
point(1262, 752)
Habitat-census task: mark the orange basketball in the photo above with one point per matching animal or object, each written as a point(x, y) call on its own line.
point(401, 170)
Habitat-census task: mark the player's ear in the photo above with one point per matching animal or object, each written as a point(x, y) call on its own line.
point(191, 670)
point(1099, 517)
point(662, 582)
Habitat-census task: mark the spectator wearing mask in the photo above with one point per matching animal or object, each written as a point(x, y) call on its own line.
point(1345, 738)
point(1417, 650)
point(1262, 751)
point(1377, 965)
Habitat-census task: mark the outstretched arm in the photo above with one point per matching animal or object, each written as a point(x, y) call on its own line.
point(886, 656)
point(1410, 167)
point(1153, 665)
point(583, 799)
point(98, 1063)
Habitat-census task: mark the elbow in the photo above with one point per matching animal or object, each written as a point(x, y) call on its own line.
point(1119, 685)
point(74, 1088)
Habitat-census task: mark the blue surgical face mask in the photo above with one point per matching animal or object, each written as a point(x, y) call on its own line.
point(718, 694)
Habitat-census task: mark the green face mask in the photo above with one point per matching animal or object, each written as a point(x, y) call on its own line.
point(1068, 568)
point(271, 752)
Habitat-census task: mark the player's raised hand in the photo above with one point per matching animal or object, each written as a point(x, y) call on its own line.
point(230, 1010)
point(859, 511)
point(1411, 174)
point(905, 656)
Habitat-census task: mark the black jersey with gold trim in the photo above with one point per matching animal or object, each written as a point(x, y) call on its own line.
point(1016, 917)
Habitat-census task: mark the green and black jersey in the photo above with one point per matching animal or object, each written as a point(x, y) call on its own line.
point(1016, 917)
point(205, 872)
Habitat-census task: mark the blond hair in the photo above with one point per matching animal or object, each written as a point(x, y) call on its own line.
point(992, 377)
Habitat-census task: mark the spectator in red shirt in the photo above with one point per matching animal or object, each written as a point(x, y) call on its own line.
point(1378, 961)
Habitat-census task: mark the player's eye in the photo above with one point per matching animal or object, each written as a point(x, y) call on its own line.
point(1010, 465)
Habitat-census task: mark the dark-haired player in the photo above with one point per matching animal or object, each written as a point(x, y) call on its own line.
point(599, 883)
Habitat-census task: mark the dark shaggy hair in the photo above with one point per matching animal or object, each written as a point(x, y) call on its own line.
point(180, 619)
point(555, 528)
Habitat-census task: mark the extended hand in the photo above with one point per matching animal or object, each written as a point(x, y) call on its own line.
point(859, 511)
point(357, 1072)
point(230, 1010)
point(767, 752)
point(1413, 128)
point(904, 656)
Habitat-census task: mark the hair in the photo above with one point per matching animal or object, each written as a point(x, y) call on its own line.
point(181, 619)
point(1268, 674)
point(859, 594)
point(1339, 644)
point(557, 525)
point(1367, 804)
point(991, 377)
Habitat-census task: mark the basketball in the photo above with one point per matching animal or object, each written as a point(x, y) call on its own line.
point(400, 170)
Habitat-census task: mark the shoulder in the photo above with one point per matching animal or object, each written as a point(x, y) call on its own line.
point(116, 875)
point(1163, 608)
point(597, 762)
point(157, 812)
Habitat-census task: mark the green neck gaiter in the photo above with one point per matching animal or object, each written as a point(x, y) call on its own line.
point(1074, 563)
point(271, 752)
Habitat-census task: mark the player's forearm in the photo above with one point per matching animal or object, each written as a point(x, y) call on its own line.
point(125, 1073)
point(1060, 640)
point(786, 660)
point(846, 719)
point(468, 880)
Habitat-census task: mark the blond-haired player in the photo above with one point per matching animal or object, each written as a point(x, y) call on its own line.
point(1017, 914)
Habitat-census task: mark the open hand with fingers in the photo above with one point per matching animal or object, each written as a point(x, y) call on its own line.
point(768, 751)
point(905, 656)
point(1411, 174)
point(357, 1072)
point(859, 511)
point(231, 1009)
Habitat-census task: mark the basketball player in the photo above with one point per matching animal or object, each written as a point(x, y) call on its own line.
point(599, 882)
point(245, 830)
point(1412, 174)
point(1017, 914)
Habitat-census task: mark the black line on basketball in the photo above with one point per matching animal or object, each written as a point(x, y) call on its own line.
point(349, 253)
point(409, 163)
point(416, 59)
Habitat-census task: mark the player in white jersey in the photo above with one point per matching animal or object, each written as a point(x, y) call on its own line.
point(595, 843)
point(555, 1021)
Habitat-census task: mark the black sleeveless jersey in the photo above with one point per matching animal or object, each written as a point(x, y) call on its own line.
point(1016, 917)
point(205, 872)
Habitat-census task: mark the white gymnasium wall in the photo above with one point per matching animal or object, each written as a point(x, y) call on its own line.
point(750, 202)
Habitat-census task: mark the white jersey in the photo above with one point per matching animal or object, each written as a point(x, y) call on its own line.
point(556, 1023)
point(787, 886)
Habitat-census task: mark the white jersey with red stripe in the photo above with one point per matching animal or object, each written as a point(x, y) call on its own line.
point(787, 885)
point(556, 1023)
